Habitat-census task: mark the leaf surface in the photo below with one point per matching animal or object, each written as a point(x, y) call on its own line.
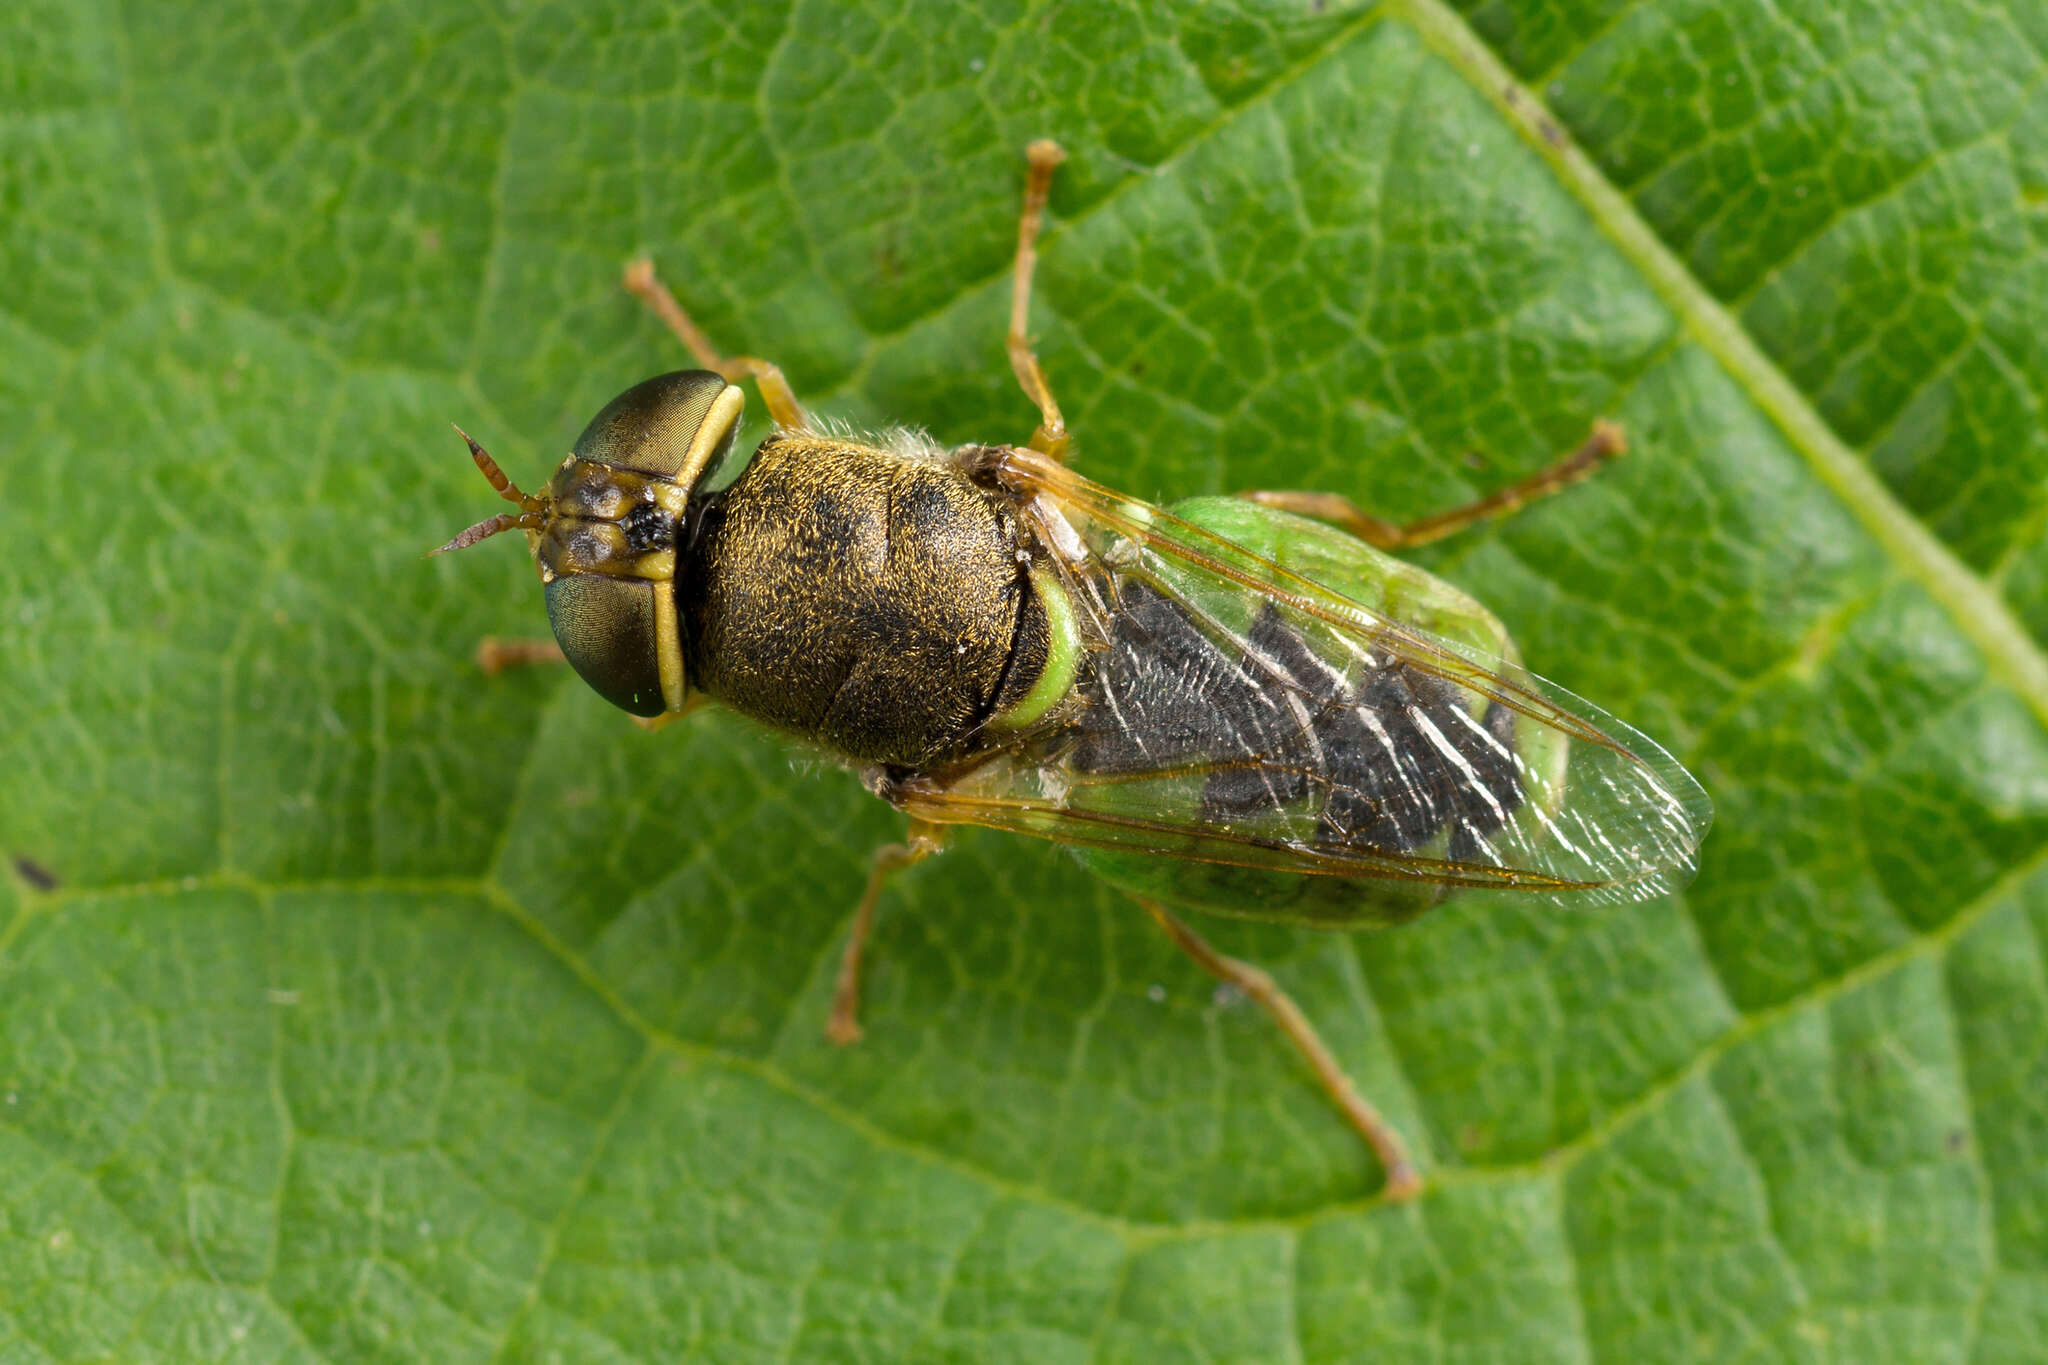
point(354, 1008)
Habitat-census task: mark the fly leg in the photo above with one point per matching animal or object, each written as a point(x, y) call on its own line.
point(1044, 156)
point(495, 654)
point(1604, 444)
point(1403, 1181)
point(923, 840)
point(644, 285)
point(656, 724)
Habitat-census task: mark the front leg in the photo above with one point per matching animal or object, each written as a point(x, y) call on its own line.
point(1044, 156)
point(923, 840)
point(496, 653)
point(787, 413)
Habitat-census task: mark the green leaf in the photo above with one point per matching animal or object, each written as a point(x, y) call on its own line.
point(356, 1007)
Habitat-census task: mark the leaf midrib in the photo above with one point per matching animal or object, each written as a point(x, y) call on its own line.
point(1983, 616)
point(1977, 609)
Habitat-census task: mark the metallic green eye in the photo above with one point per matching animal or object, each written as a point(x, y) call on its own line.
point(606, 628)
point(673, 426)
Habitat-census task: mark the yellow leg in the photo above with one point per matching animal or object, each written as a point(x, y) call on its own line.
point(1604, 444)
point(495, 654)
point(656, 724)
point(775, 391)
point(1403, 1182)
point(1044, 156)
point(923, 840)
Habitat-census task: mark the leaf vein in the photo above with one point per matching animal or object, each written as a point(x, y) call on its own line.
point(1981, 615)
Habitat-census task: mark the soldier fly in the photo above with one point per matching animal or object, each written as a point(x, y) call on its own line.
point(1238, 705)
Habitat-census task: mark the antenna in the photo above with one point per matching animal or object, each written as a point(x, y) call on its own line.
point(530, 511)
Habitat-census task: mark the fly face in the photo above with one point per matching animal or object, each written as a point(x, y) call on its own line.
point(603, 533)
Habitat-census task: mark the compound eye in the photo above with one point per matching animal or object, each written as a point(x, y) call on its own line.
point(606, 629)
point(674, 426)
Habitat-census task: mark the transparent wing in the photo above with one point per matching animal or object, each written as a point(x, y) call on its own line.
point(1229, 710)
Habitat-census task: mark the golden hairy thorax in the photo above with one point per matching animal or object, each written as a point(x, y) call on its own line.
point(870, 601)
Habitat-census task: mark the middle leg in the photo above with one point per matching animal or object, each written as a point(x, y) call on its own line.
point(1403, 1181)
point(1604, 444)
